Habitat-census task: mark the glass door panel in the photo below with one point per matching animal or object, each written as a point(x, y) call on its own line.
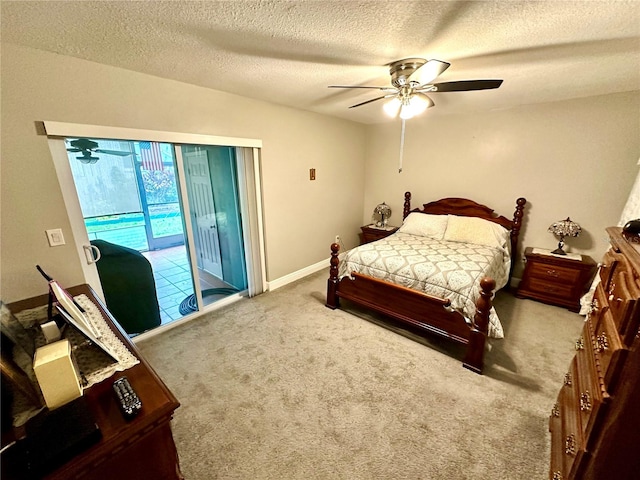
point(105, 175)
point(212, 190)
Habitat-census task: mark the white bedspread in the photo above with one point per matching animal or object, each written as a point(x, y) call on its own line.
point(441, 268)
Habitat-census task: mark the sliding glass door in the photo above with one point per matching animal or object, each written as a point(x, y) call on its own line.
point(156, 197)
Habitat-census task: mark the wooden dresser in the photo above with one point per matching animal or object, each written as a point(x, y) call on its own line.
point(128, 450)
point(595, 423)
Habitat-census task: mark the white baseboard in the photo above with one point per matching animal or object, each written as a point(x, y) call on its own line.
point(292, 277)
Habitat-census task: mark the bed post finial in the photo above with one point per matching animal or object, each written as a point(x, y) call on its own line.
point(515, 230)
point(407, 205)
point(473, 359)
point(333, 301)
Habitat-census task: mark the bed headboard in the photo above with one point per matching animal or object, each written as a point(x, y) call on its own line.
point(468, 208)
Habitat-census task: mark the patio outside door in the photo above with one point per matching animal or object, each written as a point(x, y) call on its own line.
point(202, 209)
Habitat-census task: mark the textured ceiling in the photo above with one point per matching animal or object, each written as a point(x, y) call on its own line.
point(288, 52)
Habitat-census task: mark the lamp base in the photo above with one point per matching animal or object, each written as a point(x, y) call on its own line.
point(559, 250)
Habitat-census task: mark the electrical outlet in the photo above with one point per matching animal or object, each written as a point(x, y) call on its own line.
point(337, 239)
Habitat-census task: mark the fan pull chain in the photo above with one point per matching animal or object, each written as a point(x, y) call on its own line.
point(401, 147)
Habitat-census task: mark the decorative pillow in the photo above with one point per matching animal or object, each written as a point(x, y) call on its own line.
point(477, 231)
point(425, 225)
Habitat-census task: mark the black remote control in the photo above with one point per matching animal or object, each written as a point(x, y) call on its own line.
point(128, 400)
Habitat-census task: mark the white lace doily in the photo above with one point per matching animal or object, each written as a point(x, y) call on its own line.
point(125, 359)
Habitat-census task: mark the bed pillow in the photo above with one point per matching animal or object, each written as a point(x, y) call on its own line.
point(477, 231)
point(425, 225)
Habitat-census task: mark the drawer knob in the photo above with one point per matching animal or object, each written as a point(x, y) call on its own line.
point(555, 411)
point(602, 342)
point(580, 344)
point(552, 273)
point(567, 380)
point(585, 402)
point(570, 445)
point(557, 476)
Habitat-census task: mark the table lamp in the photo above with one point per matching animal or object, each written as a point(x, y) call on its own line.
point(564, 228)
point(381, 214)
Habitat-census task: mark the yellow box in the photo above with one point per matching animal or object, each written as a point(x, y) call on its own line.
point(57, 373)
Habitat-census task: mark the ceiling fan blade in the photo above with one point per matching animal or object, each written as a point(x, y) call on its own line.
point(360, 86)
point(430, 70)
point(73, 150)
point(119, 153)
point(369, 101)
point(466, 85)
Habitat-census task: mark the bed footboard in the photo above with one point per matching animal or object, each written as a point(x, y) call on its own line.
point(426, 312)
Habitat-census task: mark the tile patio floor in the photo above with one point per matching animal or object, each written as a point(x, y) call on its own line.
point(173, 280)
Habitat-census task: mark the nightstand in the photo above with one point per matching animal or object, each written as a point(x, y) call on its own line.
point(555, 279)
point(371, 233)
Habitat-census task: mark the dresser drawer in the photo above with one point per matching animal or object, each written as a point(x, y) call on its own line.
point(590, 396)
point(609, 351)
point(610, 261)
point(554, 273)
point(572, 440)
point(556, 472)
point(623, 300)
point(599, 305)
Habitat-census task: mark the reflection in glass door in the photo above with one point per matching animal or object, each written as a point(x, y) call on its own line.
point(159, 195)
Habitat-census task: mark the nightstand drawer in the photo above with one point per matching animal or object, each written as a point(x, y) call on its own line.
point(554, 273)
point(371, 233)
point(546, 287)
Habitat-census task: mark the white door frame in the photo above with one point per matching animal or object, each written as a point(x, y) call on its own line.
point(57, 131)
point(74, 211)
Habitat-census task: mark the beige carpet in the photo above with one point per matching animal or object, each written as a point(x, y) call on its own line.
point(281, 387)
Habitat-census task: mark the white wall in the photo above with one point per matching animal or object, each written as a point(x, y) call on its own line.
point(574, 158)
point(301, 216)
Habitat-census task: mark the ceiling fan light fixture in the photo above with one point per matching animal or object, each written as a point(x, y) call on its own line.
point(406, 112)
point(414, 105)
point(392, 107)
point(419, 103)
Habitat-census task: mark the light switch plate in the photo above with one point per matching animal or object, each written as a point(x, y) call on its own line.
point(55, 237)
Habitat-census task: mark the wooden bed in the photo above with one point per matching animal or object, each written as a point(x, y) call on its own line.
point(426, 312)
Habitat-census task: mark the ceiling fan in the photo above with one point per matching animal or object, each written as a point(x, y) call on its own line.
point(88, 147)
point(411, 81)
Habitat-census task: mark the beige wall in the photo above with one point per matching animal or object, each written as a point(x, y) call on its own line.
point(301, 217)
point(574, 158)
